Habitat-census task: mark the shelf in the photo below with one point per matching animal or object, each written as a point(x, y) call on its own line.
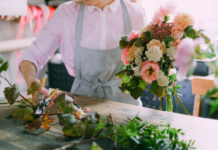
point(17, 44)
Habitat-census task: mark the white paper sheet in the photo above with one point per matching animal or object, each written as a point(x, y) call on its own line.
point(13, 7)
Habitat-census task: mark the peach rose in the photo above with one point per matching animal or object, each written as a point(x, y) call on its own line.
point(149, 71)
point(177, 33)
point(133, 35)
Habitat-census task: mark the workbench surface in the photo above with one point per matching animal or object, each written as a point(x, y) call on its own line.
point(15, 136)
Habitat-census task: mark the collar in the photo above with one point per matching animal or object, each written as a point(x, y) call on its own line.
point(113, 6)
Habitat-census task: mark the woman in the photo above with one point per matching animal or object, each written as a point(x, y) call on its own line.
point(88, 32)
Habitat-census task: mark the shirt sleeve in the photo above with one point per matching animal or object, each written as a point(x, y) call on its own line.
point(46, 43)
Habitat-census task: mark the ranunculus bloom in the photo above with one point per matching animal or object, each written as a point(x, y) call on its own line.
point(133, 35)
point(177, 33)
point(124, 56)
point(185, 55)
point(149, 71)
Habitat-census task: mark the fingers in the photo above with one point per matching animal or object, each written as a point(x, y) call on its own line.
point(43, 91)
point(51, 103)
point(54, 97)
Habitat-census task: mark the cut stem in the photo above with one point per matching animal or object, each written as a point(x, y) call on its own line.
point(175, 102)
point(182, 105)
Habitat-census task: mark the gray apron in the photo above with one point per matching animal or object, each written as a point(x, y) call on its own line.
point(95, 69)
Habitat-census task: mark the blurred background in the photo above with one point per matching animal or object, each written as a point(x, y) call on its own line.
point(12, 44)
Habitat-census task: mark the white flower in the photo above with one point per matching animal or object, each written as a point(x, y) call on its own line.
point(154, 53)
point(162, 80)
point(170, 44)
point(171, 52)
point(137, 72)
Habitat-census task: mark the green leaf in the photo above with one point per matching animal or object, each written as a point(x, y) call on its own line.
point(68, 130)
point(27, 117)
point(139, 42)
point(18, 113)
point(68, 110)
point(122, 67)
point(178, 87)
point(28, 110)
point(120, 74)
point(153, 87)
point(4, 66)
point(11, 93)
point(35, 86)
point(191, 33)
point(210, 92)
point(212, 47)
point(29, 91)
point(60, 98)
point(1, 59)
point(133, 41)
point(142, 84)
point(71, 120)
point(136, 93)
point(188, 28)
point(126, 79)
point(124, 42)
point(62, 106)
point(90, 130)
point(95, 147)
point(134, 82)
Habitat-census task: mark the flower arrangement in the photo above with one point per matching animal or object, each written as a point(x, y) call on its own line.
point(149, 56)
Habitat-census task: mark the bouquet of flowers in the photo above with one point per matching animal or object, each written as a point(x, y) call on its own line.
point(149, 56)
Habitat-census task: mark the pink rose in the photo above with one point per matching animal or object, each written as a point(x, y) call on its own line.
point(133, 35)
point(177, 33)
point(124, 56)
point(149, 71)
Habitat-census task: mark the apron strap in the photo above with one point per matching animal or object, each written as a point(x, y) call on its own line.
point(126, 18)
point(79, 23)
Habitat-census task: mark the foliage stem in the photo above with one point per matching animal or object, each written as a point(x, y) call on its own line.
point(19, 93)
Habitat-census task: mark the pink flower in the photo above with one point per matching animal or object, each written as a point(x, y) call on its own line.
point(133, 35)
point(185, 56)
point(149, 71)
point(124, 56)
point(177, 33)
point(162, 12)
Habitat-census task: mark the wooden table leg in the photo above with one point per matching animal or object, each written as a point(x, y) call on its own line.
point(197, 106)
